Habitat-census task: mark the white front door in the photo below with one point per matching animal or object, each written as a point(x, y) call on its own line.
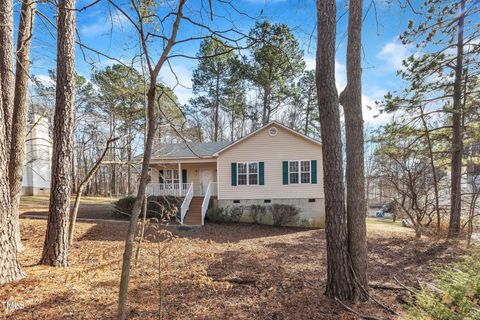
point(206, 176)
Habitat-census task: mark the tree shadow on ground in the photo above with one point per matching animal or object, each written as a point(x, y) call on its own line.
point(86, 211)
point(278, 280)
point(43, 309)
point(102, 231)
point(236, 232)
point(219, 233)
point(409, 259)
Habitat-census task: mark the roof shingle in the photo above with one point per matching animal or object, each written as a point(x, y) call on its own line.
point(192, 150)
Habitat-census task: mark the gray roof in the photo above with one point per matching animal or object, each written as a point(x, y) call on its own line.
point(192, 150)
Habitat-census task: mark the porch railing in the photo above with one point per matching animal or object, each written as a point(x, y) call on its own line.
point(168, 189)
point(211, 191)
point(186, 202)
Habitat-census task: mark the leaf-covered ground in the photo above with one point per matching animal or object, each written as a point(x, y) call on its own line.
point(239, 271)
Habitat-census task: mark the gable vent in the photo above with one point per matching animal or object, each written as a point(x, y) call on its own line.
point(272, 131)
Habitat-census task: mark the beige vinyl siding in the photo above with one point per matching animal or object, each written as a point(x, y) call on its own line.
point(272, 150)
point(193, 172)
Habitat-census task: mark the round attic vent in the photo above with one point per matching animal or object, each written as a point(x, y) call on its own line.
point(272, 131)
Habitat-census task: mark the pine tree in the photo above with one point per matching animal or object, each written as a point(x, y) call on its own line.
point(437, 75)
point(351, 99)
point(55, 248)
point(340, 280)
point(20, 107)
point(308, 93)
point(211, 81)
point(276, 60)
point(10, 269)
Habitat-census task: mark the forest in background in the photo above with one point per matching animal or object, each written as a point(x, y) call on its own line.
point(428, 153)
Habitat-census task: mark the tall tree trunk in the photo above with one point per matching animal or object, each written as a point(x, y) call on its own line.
point(129, 162)
point(266, 108)
point(307, 116)
point(151, 129)
point(82, 186)
point(217, 107)
point(340, 282)
point(432, 165)
point(55, 249)
point(242, 127)
point(73, 169)
point(113, 173)
point(10, 269)
point(7, 74)
point(232, 126)
point(351, 99)
point(457, 137)
point(152, 126)
point(19, 124)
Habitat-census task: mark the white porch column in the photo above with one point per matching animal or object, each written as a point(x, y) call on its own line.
point(180, 187)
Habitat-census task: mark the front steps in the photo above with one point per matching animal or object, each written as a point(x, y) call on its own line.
point(194, 213)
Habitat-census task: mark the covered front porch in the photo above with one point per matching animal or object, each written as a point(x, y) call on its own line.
point(193, 180)
point(175, 178)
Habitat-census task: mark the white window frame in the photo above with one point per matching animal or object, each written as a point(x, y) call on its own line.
point(289, 172)
point(247, 173)
point(299, 173)
point(172, 180)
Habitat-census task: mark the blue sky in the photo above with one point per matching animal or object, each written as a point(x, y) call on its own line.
point(105, 29)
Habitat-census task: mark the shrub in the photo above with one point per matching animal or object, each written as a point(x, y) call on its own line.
point(454, 293)
point(283, 214)
point(124, 206)
point(164, 208)
point(225, 215)
point(159, 207)
point(257, 212)
point(236, 213)
point(216, 215)
point(312, 223)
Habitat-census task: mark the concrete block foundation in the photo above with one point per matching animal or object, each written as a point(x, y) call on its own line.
point(312, 211)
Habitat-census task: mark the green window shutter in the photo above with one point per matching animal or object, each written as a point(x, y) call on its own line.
point(160, 176)
point(313, 171)
point(285, 172)
point(184, 176)
point(261, 173)
point(234, 173)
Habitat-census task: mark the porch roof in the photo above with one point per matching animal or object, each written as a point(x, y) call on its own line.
point(184, 150)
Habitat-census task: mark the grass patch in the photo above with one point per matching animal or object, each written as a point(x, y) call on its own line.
point(387, 222)
point(454, 293)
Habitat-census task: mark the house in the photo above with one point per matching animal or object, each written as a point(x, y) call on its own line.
point(38, 152)
point(273, 164)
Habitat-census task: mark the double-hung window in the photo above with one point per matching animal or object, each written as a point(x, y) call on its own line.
point(247, 173)
point(299, 172)
point(304, 171)
point(293, 172)
point(170, 177)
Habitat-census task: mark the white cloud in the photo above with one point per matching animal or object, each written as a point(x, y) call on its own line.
point(393, 53)
point(180, 80)
point(182, 84)
point(340, 71)
point(310, 62)
point(104, 24)
point(44, 79)
point(371, 114)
